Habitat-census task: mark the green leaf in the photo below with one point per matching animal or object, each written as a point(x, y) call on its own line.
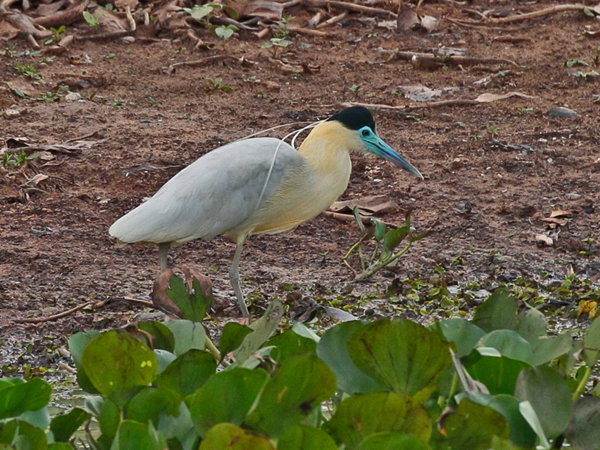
point(521, 433)
point(472, 426)
point(403, 355)
point(532, 419)
point(263, 330)
point(361, 416)
point(548, 349)
point(498, 312)
point(550, 397)
point(591, 341)
point(289, 344)
point(65, 425)
point(392, 441)
point(78, 342)
point(188, 335)
point(22, 397)
point(298, 386)
point(150, 402)
point(109, 419)
point(333, 349)
point(20, 435)
point(118, 365)
point(162, 337)
point(498, 374)
point(135, 435)
point(193, 306)
point(226, 436)
point(393, 237)
point(379, 229)
point(305, 438)
point(188, 372)
point(508, 343)
point(583, 432)
point(226, 397)
point(232, 337)
point(225, 32)
point(462, 332)
point(163, 359)
point(532, 325)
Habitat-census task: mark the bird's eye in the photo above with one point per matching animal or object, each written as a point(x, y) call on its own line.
point(365, 133)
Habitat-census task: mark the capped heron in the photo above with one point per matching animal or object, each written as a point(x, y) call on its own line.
point(256, 186)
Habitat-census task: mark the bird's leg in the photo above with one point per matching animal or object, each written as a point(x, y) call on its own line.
point(163, 251)
point(234, 277)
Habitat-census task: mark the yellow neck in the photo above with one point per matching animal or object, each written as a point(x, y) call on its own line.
point(327, 148)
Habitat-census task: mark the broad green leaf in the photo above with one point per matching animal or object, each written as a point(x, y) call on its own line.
point(162, 337)
point(392, 441)
point(380, 228)
point(78, 342)
point(591, 341)
point(187, 373)
point(521, 434)
point(498, 374)
point(119, 365)
point(583, 432)
point(149, 403)
point(302, 330)
point(509, 344)
point(333, 349)
point(392, 238)
point(226, 436)
point(472, 426)
point(135, 435)
point(288, 344)
point(188, 335)
point(305, 438)
point(22, 397)
point(109, 419)
point(193, 306)
point(549, 395)
point(60, 446)
point(403, 355)
point(532, 325)
point(498, 312)
point(548, 349)
point(65, 425)
point(232, 337)
point(179, 427)
point(533, 420)
point(298, 386)
point(462, 332)
point(263, 330)
point(163, 359)
point(21, 436)
point(39, 418)
point(361, 416)
point(226, 397)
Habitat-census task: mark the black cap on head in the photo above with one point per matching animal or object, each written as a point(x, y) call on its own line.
point(355, 118)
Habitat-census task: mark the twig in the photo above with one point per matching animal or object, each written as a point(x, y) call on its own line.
point(291, 4)
point(535, 14)
point(62, 314)
point(66, 17)
point(333, 20)
point(347, 217)
point(351, 268)
point(448, 60)
point(480, 25)
point(137, 301)
point(105, 36)
point(312, 32)
point(198, 63)
point(367, 10)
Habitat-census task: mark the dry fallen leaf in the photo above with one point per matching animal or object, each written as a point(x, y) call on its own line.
point(561, 213)
point(486, 98)
point(376, 204)
point(541, 240)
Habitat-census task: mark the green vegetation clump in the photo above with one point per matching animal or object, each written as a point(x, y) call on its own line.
point(497, 381)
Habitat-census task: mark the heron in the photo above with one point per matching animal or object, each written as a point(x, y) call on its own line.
point(254, 186)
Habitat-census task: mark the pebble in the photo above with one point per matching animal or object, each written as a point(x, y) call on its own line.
point(73, 96)
point(572, 196)
point(145, 121)
point(562, 112)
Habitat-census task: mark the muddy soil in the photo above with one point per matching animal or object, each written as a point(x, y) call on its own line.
point(492, 170)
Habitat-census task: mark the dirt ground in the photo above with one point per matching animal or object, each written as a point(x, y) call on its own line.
point(492, 170)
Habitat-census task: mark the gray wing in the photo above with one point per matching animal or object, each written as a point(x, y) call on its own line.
point(216, 193)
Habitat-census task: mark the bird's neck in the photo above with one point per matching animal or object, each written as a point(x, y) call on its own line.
point(327, 150)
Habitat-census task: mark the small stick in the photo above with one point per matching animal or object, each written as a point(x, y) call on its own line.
point(105, 36)
point(59, 315)
point(144, 303)
point(291, 3)
point(353, 7)
point(478, 25)
point(333, 20)
point(450, 60)
point(456, 102)
point(197, 63)
point(314, 21)
point(535, 14)
point(312, 32)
